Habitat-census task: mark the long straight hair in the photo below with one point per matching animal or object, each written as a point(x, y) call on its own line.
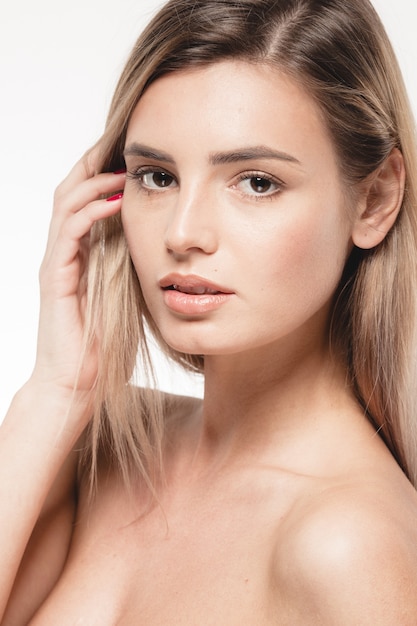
point(338, 51)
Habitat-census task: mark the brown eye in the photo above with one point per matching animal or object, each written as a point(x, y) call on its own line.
point(260, 185)
point(153, 179)
point(161, 179)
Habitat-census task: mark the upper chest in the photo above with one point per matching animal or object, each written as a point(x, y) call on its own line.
point(206, 557)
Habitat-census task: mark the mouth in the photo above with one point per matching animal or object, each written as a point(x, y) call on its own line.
point(192, 285)
point(192, 291)
point(193, 297)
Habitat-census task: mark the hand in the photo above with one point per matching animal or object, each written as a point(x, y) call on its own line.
point(63, 276)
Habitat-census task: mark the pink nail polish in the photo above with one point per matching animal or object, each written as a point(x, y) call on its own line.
point(117, 196)
point(121, 171)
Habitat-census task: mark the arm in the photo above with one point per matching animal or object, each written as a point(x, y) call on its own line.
point(47, 417)
point(44, 555)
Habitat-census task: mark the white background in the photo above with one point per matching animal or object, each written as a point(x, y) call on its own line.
point(59, 62)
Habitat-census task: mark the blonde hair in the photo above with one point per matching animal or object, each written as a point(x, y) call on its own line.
point(339, 51)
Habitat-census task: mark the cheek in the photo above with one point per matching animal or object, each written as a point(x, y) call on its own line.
point(141, 236)
point(304, 259)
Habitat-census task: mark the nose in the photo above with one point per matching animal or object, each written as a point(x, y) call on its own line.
point(192, 225)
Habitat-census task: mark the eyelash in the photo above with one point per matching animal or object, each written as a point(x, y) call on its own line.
point(250, 175)
point(139, 174)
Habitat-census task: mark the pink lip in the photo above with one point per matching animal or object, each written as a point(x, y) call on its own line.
point(191, 282)
point(192, 295)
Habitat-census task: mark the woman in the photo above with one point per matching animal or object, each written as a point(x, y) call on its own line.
point(265, 231)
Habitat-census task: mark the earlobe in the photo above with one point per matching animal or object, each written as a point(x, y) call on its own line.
point(380, 202)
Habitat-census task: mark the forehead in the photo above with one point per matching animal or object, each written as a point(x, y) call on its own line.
point(228, 104)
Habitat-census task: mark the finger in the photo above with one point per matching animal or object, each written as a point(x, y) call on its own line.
point(85, 168)
point(88, 190)
point(66, 247)
point(77, 198)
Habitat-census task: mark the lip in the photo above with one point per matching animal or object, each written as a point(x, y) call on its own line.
point(192, 295)
point(189, 283)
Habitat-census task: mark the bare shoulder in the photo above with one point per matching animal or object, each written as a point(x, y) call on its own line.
point(349, 556)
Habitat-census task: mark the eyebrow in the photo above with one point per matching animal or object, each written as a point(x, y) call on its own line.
point(250, 153)
point(138, 149)
point(217, 158)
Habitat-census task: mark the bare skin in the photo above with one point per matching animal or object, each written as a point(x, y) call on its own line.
point(212, 556)
point(282, 505)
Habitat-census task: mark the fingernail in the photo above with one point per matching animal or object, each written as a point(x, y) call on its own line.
point(117, 196)
point(121, 171)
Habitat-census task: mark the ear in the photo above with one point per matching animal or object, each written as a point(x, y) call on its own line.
point(380, 202)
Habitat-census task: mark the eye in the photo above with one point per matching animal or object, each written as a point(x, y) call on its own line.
point(258, 185)
point(157, 179)
point(153, 179)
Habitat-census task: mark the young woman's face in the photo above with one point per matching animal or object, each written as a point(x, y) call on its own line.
point(234, 209)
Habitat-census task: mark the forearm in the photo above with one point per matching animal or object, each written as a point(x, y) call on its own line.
point(36, 437)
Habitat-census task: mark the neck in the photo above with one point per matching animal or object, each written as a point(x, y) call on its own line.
point(259, 399)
